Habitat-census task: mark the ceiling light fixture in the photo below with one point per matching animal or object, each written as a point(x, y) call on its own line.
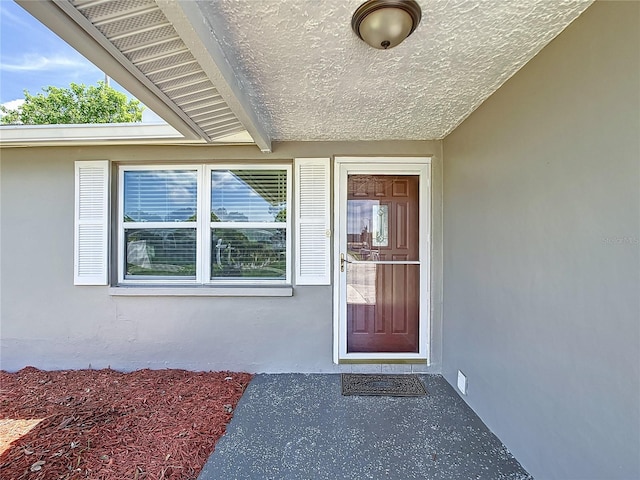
point(384, 24)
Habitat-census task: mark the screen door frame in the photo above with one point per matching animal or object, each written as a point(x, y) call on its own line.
point(345, 166)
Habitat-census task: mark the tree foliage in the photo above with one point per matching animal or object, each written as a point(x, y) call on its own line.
point(282, 215)
point(76, 104)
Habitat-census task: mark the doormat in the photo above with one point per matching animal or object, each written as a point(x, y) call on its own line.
point(389, 385)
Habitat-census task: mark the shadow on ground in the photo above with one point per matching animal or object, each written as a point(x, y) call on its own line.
point(297, 427)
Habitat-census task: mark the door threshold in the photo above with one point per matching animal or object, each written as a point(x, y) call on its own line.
point(375, 361)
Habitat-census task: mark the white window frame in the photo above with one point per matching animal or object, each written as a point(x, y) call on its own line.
point(203, 227)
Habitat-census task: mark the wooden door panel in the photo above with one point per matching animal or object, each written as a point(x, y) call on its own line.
point(400, 188)
point(383, 301)
point(402, 226)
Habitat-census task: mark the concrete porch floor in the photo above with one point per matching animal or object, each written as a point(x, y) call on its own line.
point(297, 427)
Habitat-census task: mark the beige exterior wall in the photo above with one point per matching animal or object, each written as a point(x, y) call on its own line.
point(542, 253)
point(50, 323)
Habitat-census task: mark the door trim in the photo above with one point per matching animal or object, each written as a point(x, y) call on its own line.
point(392, 165)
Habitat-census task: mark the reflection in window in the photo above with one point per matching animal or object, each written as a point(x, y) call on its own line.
point(248, 253)
point(203, 224)
point(248, 195)
point(161, 252)
point(367, 229)
point(160, 196)
point(248, 234)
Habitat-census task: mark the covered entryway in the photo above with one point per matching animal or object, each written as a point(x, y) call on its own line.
point(436, 436)
point(382, 249)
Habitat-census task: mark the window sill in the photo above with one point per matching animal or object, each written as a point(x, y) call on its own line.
point(201, 291)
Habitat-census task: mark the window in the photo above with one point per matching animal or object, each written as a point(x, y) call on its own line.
point(248, 224)
point(204, 224)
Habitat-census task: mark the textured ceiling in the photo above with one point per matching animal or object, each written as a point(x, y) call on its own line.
point(309, 77)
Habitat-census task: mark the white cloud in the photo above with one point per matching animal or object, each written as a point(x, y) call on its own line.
point(6, 14)
point(36, 63)
point(13, 104)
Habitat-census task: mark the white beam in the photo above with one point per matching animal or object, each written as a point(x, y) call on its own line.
point(198, 33)
point(106, 133)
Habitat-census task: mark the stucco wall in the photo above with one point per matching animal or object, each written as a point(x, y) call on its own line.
point(542, 253)
point(49, 323)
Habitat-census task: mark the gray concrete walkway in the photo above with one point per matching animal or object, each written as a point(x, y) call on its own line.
point(298, 427)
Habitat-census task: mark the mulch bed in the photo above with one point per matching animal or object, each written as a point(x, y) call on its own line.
point(107, 425)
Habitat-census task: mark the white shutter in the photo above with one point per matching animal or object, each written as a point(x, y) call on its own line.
point(313, 234)
point(91, 236)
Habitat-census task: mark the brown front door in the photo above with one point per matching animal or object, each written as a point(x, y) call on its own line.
point(382, 263)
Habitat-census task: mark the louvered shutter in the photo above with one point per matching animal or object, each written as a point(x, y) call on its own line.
point(91, 235)
point(313, 234)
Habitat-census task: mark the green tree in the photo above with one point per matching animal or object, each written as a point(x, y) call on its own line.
point(282, 215)
point(76, 104)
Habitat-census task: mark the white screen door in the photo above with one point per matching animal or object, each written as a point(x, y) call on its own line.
point(382, 259)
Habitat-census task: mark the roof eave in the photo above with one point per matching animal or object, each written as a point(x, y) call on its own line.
point(106, 133)
point(186, 18)
point(64, 19)
point(49, 13)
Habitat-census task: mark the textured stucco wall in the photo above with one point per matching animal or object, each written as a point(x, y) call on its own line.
point(49, 323)
point(542, 253)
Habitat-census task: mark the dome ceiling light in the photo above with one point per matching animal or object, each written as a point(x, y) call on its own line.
point(383, 24)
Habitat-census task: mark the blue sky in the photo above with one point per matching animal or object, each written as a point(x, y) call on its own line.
point(33, 57)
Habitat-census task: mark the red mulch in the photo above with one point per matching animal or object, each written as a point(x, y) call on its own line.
point(107, 425)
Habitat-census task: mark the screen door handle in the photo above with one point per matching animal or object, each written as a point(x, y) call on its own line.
point(342, 262)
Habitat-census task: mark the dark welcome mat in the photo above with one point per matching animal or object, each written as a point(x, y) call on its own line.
point(390, 385)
